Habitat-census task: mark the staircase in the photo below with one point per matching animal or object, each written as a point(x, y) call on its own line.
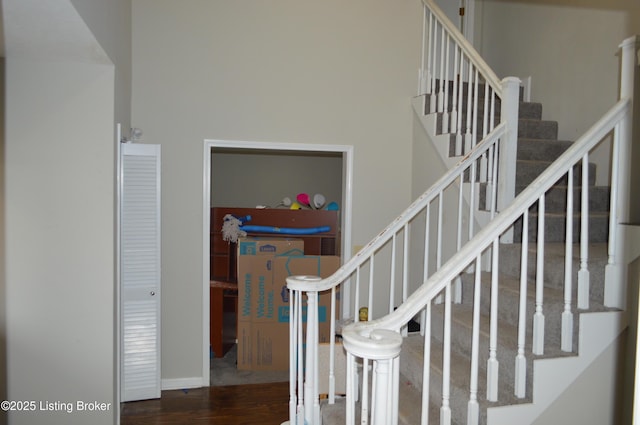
point(510, 316)
point(538, 147)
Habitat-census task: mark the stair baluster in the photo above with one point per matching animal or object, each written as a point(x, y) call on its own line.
point(538, 317)
point(567, 315)
point(377, 341)
point(521, 361)
point(583, 273)
point(492, 363)
point(473, 407)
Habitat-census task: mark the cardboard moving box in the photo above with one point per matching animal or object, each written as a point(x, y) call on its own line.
point(266, 246)
point(255, 258)
point(263, 298)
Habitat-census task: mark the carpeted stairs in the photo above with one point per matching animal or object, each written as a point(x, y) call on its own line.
point(538, 146)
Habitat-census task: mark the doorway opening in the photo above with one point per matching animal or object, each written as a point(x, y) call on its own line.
point(251, 174)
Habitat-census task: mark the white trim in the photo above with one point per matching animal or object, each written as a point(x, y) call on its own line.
point(182, 383)
point(469, 20)
point(346, 210)
point(118, 322)
point(526, 86)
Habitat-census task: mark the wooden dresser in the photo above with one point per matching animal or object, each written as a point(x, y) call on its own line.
point(223, 259)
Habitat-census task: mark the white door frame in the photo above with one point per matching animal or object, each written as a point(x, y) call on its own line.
point(346, 211)
point(468, 19)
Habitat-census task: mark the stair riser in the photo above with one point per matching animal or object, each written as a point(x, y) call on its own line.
point(537, 129)
point(526, 112)
point(529, 128)
point(459, 394)
point(508, 307)
point(411, 360)
point(449, 95)
point(528, 149)
point(541, 150)
point(531, 110)
point(461, 334)
point(555, 229)
point(554, 269)
point(556, 199)
point(528, 171)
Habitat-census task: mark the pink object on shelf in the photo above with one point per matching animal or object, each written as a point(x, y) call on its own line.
point(303, 199)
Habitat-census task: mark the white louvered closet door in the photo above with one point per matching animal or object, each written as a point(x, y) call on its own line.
point(140, 271)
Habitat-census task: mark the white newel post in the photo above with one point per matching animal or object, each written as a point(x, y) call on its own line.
point(620, 184)
point(311, 401)
point(294, 321)
point(304, 402)
point(383, 347)
point(508, 146)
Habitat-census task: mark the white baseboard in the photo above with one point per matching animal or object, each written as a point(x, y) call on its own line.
point(182, 383)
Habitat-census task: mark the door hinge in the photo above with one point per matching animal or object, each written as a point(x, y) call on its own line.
point(461, 11)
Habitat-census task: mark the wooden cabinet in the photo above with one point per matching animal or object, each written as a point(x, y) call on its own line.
point(223, 254)
point(223, 258)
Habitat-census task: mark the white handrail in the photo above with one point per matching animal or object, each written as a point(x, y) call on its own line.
point(450, 66)
point(437, 282)
point(304, 397)
point(465, 46)
point(358, 337)
point(476, 170)
point(378, 341)
point(312, 283)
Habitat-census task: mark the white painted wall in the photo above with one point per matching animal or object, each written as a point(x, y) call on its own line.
point(3, 281)
point(110, 23)
point(59, 238)
point(598, 386)
point(568, 47)
point(282, 71)
point(58, 204)
point(250, 178)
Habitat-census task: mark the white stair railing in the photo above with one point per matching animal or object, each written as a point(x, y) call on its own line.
point(471, 100)
point(493, 184)
point(373, 347)
point(359, 339)
point(386, 265)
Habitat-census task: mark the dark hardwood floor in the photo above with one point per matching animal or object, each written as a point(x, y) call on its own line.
point(235, 405)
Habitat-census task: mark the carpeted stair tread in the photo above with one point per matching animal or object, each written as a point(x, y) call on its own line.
point(538, 147)
point(528, 170)
point(537, 129)
point(409, 402)
point(527, 111)
point(541, 149)
point(459, 379)
point(462, 325)
point(556, 198)
point(555, 227)
point(554, 262)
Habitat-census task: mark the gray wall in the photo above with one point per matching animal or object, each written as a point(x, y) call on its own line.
point(248, 179)
point(58, 205)
point(3, 281)
point(569, 49)
point(59, 238)
point(284, 71)
point(110, 23)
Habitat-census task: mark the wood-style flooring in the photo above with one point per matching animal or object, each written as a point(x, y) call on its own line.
point(234, 405)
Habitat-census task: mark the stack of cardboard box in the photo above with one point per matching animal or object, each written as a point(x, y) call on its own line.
point(263, 298)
